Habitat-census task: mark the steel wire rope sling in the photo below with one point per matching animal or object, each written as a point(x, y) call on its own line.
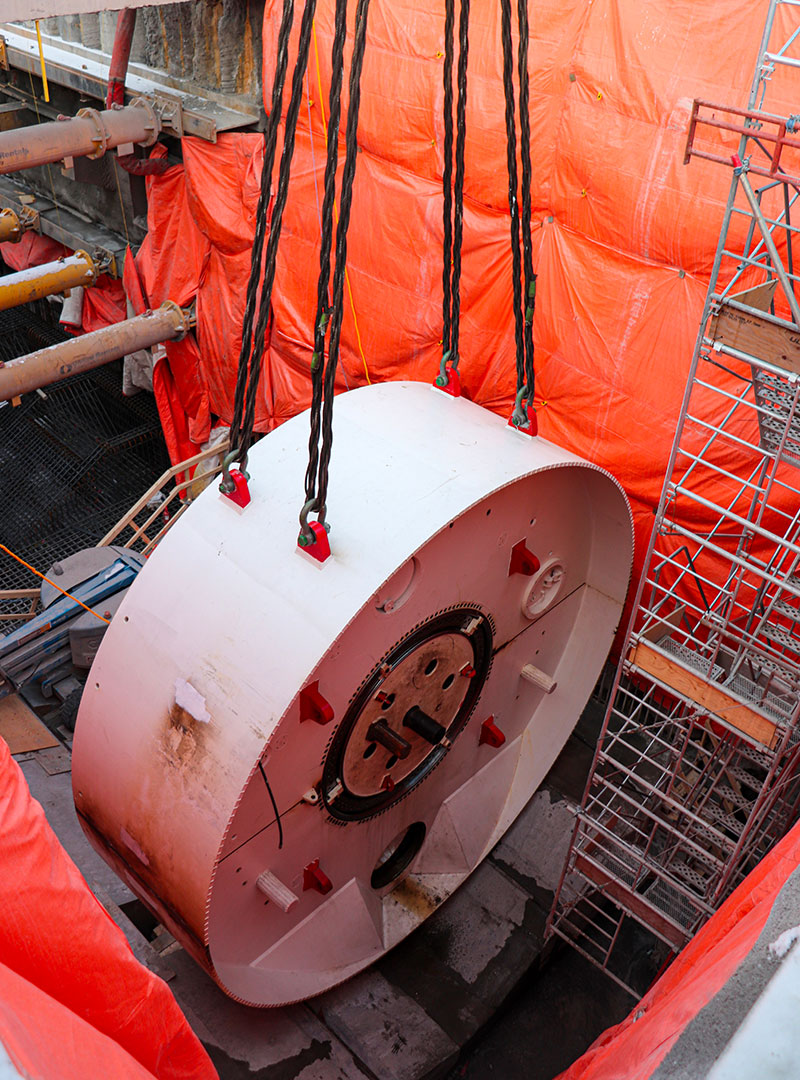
point(453, 215)
point(258, 301)
point(523, 416)
point(313, 535)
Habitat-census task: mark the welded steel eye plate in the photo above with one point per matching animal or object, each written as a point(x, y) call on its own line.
point(294, 763)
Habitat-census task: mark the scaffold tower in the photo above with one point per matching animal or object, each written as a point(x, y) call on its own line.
point(696, 774)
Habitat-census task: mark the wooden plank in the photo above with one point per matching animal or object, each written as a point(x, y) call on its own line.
point(760, 296)
point(710, 696)
point(21, 728)
point(632, 902)
point(751, 333)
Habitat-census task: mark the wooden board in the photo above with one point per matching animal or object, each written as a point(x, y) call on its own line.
point(634, 903)
point(21, 728)
point(713, 698)
point(757, 336)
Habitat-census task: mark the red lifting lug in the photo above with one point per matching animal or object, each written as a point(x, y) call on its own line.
point(468, 671)
point(522, 560)
point(313, 705)
point(491, 735)
point(320, 549)
point(314, 878)
point(241, 492)
point(388, 783)
point(532, 426)
point(453, 384)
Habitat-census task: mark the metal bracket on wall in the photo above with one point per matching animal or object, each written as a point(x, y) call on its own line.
point(170, 112)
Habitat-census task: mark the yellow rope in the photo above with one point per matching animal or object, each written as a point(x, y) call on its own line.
point(45, 87)
point(335, 204)
point(49, 582)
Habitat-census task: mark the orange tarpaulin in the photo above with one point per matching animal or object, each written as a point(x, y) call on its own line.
point(623, 233)
point(74, 1002)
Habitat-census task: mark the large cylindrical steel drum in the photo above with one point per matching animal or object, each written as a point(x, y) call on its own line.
point(294, 763)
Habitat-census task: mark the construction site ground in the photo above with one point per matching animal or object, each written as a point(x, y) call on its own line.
point(469, 994)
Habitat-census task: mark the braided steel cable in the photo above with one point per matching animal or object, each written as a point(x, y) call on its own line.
point(511, 150)
point(458, 192)
point(525, 153)
point(348, 175)
point(447, 171)
point(270, 141)
point(326, 242)
point(270, 258)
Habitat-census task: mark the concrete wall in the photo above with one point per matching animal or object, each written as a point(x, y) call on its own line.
point(214, 44)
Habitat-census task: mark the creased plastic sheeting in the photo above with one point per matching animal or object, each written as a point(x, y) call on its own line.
point(61, 953)
point(201, 220)
point(635, 1048)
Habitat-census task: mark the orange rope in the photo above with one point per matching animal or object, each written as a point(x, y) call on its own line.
point(49, 582)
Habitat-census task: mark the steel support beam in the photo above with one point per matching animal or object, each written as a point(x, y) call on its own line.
point(49, 279)
point(89, 134)
point(46, 366)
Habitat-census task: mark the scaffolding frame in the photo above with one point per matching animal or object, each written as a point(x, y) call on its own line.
point(696, 774)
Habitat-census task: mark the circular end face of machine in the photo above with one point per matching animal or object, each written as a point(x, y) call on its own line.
point(407, 714)
point(294, 763)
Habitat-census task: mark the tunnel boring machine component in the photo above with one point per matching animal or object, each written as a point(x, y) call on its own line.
point(293, 763)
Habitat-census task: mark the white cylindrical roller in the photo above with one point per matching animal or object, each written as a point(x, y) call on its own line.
point(357, 729)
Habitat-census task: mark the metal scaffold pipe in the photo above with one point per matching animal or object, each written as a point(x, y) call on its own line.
point(89, 134)
point(11, 229)
point(49, 279)
point(46, 366)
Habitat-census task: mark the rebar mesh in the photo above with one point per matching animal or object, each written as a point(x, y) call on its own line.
point(73, 458)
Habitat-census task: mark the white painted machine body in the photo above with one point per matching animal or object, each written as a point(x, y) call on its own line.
point(190, 733)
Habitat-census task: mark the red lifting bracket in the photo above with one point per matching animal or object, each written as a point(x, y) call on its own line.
point(447, 380)
point(313, 706)
point(491, 735)
point(522, 560)
point(314, 878)
point(525, 427)
point(233, 484)
point(313, 537)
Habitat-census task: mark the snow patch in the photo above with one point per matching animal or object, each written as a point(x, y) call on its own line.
point(191, 701)
point(781, 945)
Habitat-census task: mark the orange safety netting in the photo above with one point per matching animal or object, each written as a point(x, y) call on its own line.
point(74, 1002)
